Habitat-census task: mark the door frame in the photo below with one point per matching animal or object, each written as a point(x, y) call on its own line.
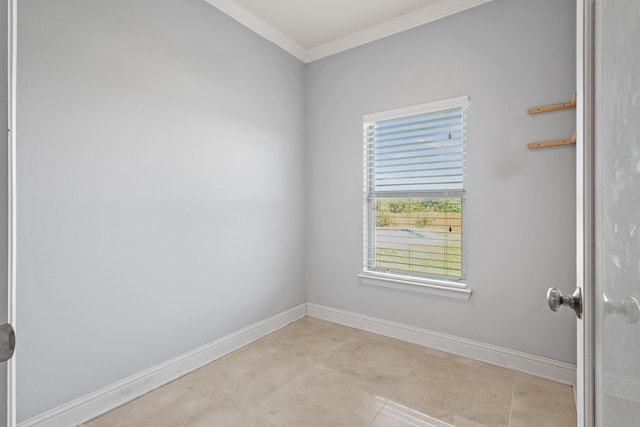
point(585, 85)
point(11, 200)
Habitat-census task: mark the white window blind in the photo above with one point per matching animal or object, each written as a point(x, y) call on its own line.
point(414, 166)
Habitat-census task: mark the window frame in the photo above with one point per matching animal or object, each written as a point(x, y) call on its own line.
point(450, 288)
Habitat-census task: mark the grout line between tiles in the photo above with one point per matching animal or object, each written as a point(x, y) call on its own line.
point(513, 393)
point(315, 363)
point(378, 413)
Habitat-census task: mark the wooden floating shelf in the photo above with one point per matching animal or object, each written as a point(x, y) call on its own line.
point(553, 143)
point(553, 107)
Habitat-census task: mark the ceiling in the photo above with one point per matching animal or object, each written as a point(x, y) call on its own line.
point(313, 23)
point(314, 29)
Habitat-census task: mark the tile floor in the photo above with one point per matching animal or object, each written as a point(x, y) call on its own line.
point(316, 373)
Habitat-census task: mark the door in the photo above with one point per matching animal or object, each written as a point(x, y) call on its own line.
point(617, 212)
point(608, 213)
point(584, 387)
point(7, 209)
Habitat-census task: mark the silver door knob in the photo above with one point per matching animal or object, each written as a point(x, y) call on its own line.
point(556, 300)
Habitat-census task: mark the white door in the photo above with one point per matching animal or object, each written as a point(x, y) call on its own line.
point(585, 212)
point(7, 226)
point(617, 212)
point(608, 196)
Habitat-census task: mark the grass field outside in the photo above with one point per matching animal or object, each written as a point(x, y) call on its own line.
point(419, 237)
point(443, 260)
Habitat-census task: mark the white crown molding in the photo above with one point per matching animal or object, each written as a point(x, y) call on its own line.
point(433, 12)
point(259, 26)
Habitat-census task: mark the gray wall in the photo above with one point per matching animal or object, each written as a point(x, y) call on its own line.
point(160, 188)
point(506, 55)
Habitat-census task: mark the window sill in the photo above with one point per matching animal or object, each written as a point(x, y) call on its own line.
point(435, 287)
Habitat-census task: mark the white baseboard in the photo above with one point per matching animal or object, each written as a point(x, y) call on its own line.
point(536, 365)
point(114, 395)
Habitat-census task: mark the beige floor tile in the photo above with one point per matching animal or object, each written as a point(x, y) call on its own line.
point(259, 372)
point(257, 417)
point(230, 417)
point(382, 365)
point(309, 337)
point(457, 391)
point(393, 341)
point(481, 394)
point(216, 394)
point(427, 389)
point(540, 402)
point(315, 373)
point(322, 397)
point(395, 415)
point(543, 382)
point(171, 405)
point(460, 421)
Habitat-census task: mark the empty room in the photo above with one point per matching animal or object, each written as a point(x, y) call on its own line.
point(321, 213)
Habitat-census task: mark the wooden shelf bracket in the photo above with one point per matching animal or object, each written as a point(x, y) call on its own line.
point(553, 143)
point(553, 107)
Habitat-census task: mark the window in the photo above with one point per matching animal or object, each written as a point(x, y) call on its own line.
point(414, 198)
